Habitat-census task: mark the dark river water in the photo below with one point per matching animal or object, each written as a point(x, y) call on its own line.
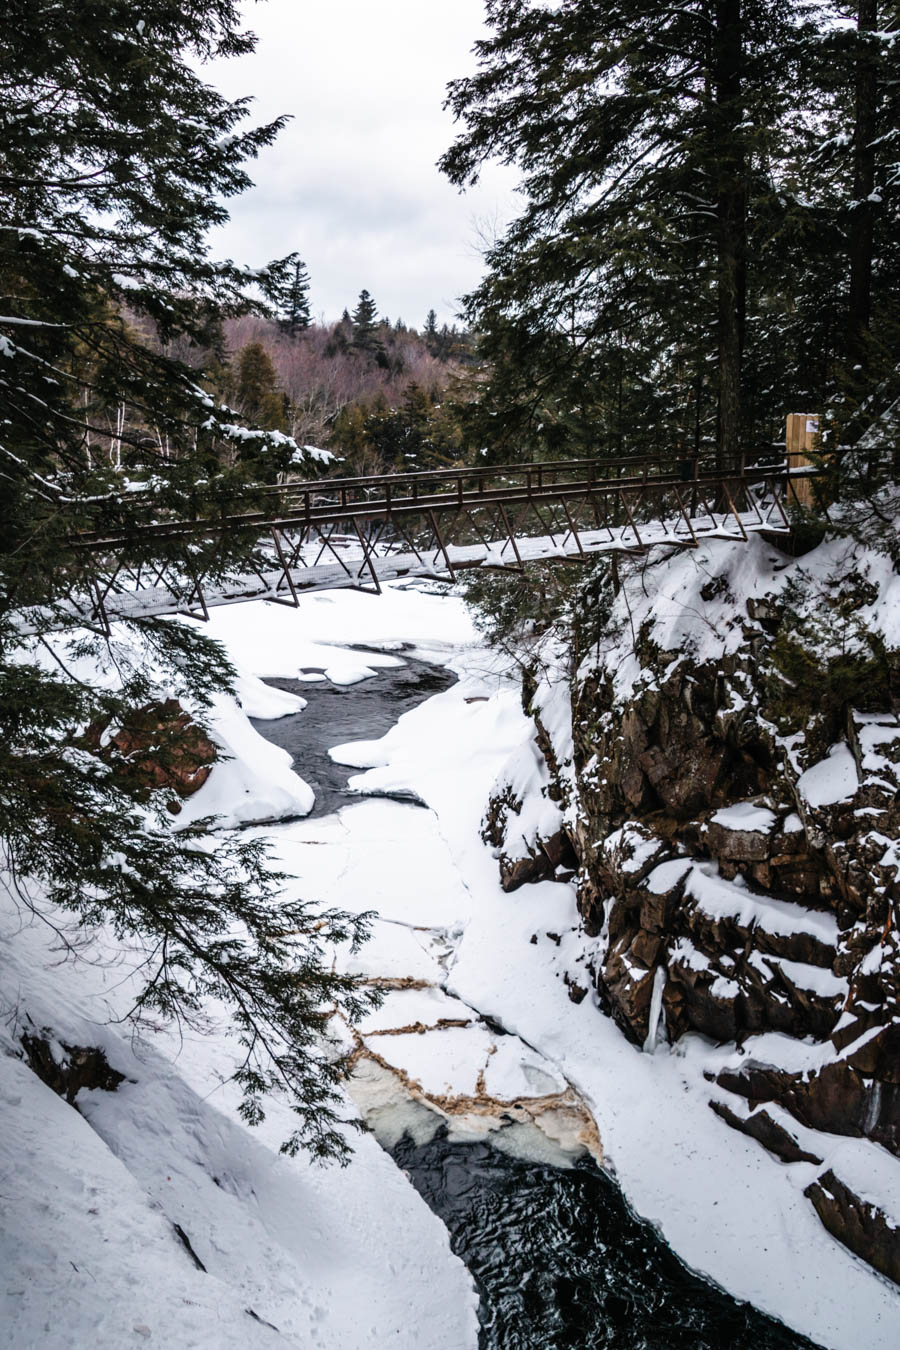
point(561, 1263)
point(356, 712)
point(559, 1260)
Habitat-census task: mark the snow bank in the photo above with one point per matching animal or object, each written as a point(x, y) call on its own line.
point(275, 641)
point(831, 780)
point(253, 782)
point(330, 1258)
point(745, 816)
point(88, 1248)
point(727, 1207)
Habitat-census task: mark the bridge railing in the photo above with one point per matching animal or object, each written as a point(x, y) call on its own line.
point(636, 468)
point(638, 484)
point(443, 519)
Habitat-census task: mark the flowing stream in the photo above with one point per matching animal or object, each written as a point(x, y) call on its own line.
point(559, 1259)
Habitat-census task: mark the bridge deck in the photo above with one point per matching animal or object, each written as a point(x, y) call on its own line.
point(364, 532)
point(368, 568)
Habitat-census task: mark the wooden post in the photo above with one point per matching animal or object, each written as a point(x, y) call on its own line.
point(801, 439)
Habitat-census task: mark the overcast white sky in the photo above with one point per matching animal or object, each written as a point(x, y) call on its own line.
point(351, 183)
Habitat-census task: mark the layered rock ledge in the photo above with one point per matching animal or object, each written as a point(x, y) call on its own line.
point(717, 758)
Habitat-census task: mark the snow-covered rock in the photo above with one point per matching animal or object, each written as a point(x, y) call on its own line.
point(729, 779)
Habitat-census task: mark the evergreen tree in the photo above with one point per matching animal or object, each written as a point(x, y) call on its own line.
point(292, 296)
point(412, 436)
point(853, 148)
point(256, 388)
point(116, 160)
point(865, 157)
point(364, 322)
point(652, 144)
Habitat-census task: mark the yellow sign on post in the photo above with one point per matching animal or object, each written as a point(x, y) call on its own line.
point(802, 439)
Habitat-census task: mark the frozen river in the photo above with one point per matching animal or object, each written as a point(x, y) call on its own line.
point(558, 1258)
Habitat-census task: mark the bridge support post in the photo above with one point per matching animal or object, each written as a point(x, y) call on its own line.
point(686, 517)
point(367, 556)
point(572, 529)
point(441, 545)
point(286, 571)
point(734, 510)
point(801, 440)
point(198, 590)
point(512, 537)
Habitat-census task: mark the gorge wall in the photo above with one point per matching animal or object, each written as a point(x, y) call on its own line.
point(717, 761)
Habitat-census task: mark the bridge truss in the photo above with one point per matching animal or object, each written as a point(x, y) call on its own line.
point(364, 532)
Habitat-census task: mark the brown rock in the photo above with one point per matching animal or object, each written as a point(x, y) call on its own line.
point(559, 851)
point(627, 987)
point(738, 845)
point(516, 872)
point(656, 910)
point(685, 774)
point(761, 873)
point(880, 1055)
point(837, 1099)
point(82, 1067)
point(690, 1003)
point(159, 745)
point(834, 1099)
point(757, 1082)
point(766, 1131)
point(858, 1224)
point(646, 947)
point(797, 879)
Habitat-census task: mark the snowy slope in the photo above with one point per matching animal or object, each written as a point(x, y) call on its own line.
point(294, 1254)
point(89, 1253)
point(352, 1259)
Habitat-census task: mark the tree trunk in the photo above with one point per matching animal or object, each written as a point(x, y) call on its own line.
point(728, 166)
point(862, 217)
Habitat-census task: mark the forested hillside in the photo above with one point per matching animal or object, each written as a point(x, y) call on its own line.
point(372, 392)
point(378, 394)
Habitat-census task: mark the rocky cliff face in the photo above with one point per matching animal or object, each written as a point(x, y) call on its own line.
point(728, 790)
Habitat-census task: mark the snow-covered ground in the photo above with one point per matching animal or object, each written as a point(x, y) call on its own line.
point(728, 1207)
point(351, 1258)
point(332, 1258)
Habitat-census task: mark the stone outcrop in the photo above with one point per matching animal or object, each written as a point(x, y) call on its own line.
point(735, 821)
point(836, 1099)
point(859, 1224)
point(534, 860)
point(76, 1067)
point(766, 1131)
point(161, 746)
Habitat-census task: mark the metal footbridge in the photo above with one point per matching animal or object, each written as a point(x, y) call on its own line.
point(336, 533)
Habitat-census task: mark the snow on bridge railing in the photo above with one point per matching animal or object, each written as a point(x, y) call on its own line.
point(465, 488)
point(364, 531)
